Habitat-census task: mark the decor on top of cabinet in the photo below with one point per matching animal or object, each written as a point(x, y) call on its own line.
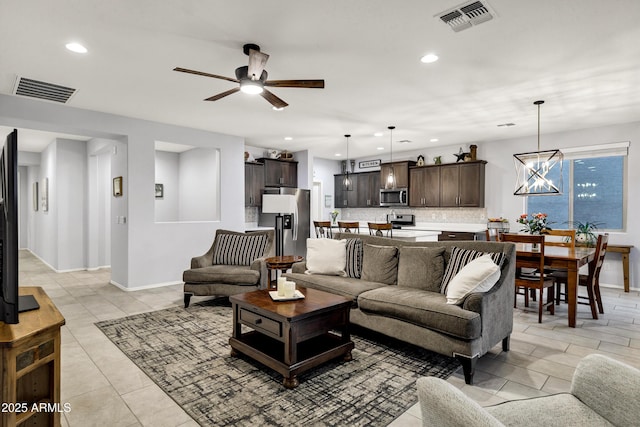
point(473, 152)
point(420, 160)
point(272, 154)
point(461, 155)
point(369, 163)
point(437, 160)
point(285, 155)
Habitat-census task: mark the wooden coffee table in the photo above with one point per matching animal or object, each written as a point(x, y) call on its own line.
point(291, 337)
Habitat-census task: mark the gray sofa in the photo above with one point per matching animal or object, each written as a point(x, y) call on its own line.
point(234, 264)
point(604, 392)
point(422, 317)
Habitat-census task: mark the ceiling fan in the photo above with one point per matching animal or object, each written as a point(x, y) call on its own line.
point(253, 78)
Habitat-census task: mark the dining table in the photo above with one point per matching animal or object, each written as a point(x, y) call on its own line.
point(570, 259)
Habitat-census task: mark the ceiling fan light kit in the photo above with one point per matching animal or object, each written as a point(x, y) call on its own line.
point(252, 79)
point(533, 170)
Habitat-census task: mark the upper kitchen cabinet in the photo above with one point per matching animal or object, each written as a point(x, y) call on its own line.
point(345, 198)
point(280, 173)
point(253, 184)
point(424, 186)
point(368, 189)
point(462, 184)
point(401, 170)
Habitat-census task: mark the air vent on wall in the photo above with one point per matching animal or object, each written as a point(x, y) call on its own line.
point(42, 90)
point(466, 15)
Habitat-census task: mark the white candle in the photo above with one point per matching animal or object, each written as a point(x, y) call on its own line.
point(280, 285)
point(289, 289)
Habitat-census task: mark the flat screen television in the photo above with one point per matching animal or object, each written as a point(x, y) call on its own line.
point(11, 303)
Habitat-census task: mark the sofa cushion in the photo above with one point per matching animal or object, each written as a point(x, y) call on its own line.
point(354, 258)
point(461, 257)
point(478, 276)
point(422, 308)
point(380, 264)
point(420, 268)
point(238, 248)
point(326, 256)
point(345, 286)
point(222, 274)
point(544, 411)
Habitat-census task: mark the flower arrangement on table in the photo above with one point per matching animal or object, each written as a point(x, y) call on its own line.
point(334, 215)
point(534, 224)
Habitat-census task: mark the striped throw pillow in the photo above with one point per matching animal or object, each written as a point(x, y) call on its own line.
point(238, 249)
point(461, 257)
point(354, 258)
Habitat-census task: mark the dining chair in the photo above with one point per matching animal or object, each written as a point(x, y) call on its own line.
point(492, 235)
point(527, 278)
point(565, 238)
point(323, 229)
point(592, 280)
point(349, 226)
point(380, 229)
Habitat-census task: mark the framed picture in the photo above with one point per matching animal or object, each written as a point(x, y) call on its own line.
point(35, 196)
point(369, 163)
point(117, 186)
point(44, 195)
point(328, 202)
point(159, 191)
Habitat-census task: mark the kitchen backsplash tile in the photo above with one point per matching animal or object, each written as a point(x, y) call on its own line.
point(439, 215)
point(251, 215)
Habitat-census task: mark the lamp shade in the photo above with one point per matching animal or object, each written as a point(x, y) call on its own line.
point(278, 203)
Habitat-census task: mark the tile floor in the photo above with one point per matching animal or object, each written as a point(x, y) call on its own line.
point(105, 388)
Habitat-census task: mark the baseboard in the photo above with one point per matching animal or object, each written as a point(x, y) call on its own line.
point(143, 287)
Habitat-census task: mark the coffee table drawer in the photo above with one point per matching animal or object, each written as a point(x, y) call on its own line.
point(260, 323)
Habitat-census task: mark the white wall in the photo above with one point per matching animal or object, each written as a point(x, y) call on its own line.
point(143, 252)
point(199, 177)
point(323, 171)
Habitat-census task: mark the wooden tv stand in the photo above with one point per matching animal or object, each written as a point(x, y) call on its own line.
point(30, 365)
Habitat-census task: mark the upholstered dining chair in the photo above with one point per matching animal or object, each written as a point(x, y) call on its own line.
point(536, 280)
point(323, 229)
point(349, 226)
point(380, 229)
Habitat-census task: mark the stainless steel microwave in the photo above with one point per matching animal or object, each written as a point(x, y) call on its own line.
point(394, 197)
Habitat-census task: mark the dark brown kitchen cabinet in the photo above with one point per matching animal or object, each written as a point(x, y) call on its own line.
point(462, 185)
point(424, 186)
point(253, 184)
point(368, 189)
point(345, 198)
point(401, 170)
point(280, 173)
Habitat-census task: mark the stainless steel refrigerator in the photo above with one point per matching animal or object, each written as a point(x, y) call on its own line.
point(297, 229)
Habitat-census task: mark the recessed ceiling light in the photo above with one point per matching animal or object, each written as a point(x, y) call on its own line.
point(288, 138)
point(277, 108)
point(76, 47)
point(429, 58)
point(380, 148)
point(338, 155)
point(433, 140)
point(378, 134)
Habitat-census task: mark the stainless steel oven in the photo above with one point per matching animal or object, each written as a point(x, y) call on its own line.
point(394, 197)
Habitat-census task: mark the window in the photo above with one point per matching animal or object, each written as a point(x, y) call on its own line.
point(594, 188)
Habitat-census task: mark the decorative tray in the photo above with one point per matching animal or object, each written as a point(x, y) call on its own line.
point(296, 295)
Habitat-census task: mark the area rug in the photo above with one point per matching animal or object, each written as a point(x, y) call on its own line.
point(186, 352)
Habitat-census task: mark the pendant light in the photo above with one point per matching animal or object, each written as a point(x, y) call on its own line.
point(347, 181)
point(390, 182)
point(534, 176)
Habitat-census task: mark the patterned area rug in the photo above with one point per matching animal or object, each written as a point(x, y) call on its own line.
point(186, 352)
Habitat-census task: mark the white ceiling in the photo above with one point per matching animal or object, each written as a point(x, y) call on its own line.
point(581, 56)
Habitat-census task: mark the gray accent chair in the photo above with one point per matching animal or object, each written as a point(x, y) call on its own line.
point(604, 392)
point(206, 278)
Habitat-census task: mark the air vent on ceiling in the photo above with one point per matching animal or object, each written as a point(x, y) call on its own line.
point(42, 90)
point(466, 15)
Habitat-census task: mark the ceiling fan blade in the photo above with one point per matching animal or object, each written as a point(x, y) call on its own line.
point(200, 73)
point(223, 94)
point(257, 61)
point(310, 84)
point(274, 100)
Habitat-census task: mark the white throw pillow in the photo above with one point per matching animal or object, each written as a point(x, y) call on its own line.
point(326, 256)
point(478, 276)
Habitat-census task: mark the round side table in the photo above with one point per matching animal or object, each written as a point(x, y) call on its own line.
point(283, 263)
